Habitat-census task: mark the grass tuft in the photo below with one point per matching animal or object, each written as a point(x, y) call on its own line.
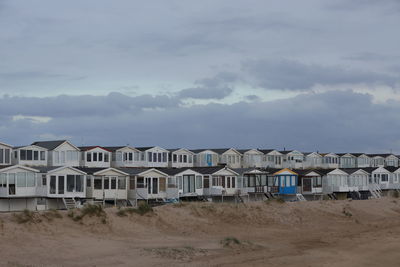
point(52, 214)
point(89, 210)
point(27, 216)
point(230, 241)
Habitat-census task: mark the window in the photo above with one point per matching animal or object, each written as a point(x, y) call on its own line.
point(94, 156)
point(160, 157)
point(154, 157)
point(21, 179)
point(233, 184)
point(56, 156)
point(106, 157)
point(140, 182)
point(88, 157)
point(70, 183)
point(180, 184)
point(44, 179)
point(1, 155)
point(106, 183)
point(171, 182)
point(185, 158)
point(3, 180)
point(155, 186)
point(199, 182)
point(164, 154)
point(113, 183)
point(385, 177)
point(79, 183)
point(130, 156)
point(35, 155)
point(89, 182)
point(215, 181)
point(190, 158)
point(61, 184)
point(42, 155)
point(29, 155)
point(97, 183)
point(62, 156)
point(30, 179)
point(150, 156)
point(293, 180)
point(174, 157)
point(121, 183)
point(100, 156)
point(53, 184)
point(22, 154)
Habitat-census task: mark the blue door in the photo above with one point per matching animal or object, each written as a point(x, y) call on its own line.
point(287, 184)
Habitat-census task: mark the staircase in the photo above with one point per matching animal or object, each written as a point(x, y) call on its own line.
point(241, 200)
point(69, 203)
point(132, 202)
point(300, 197)
point(332, 196)
point(375, 191)
point(269, 195)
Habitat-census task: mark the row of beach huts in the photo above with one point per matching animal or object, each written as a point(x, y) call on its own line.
point(60, 175)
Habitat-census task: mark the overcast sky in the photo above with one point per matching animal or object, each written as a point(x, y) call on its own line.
point(306, 75)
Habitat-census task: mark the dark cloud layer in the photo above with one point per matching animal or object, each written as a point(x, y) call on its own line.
point(294, 75)
point(333, 121)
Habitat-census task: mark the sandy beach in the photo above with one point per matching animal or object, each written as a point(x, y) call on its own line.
point(318, 233)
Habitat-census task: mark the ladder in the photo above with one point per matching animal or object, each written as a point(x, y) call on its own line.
point(69, 203)
point(300, 197)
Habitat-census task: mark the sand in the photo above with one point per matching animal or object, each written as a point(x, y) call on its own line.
point(318, 233)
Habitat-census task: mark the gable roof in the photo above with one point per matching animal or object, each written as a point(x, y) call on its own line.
point(144, 148)
point(266, 151)
point(242, 171)
point(4, 144)
point(87, 148)
point(178, 149)
point(351, 170)
point(7, 168)
point(172, 171)
point(197, 151)
point(51, 145)
point(115, 148)
point(285, 170)
point(207, 170)
point(391, 168)
point(380, 155)
point(149, 147)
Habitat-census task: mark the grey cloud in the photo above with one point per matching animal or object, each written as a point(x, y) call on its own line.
point(294, 75)
point(83, 106)
point(371, 57)
point(333, 121)
point(205, 93)
point(252, 98)
point(217, 87)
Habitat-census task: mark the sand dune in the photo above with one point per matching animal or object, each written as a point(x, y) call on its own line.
point(320, 233)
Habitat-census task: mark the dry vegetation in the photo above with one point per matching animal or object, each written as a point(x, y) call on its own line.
point(271, 233)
